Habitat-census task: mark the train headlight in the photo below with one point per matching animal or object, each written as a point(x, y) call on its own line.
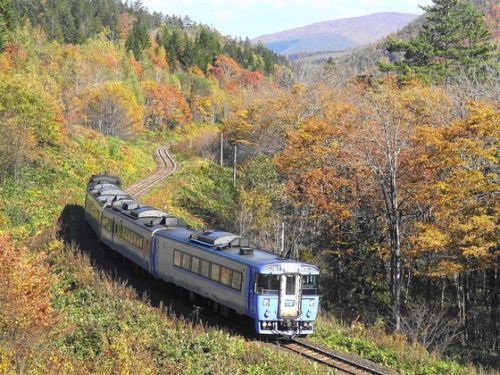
point(312, 302)
point(265, 302)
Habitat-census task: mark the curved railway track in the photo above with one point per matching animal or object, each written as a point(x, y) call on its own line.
point(166, 167)
point(342, 364)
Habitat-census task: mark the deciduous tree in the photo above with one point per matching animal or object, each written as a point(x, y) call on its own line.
point(111, 109)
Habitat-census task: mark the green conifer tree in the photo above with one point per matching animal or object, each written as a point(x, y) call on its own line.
point(6, 21)
point(454, 42)
point(138, 39)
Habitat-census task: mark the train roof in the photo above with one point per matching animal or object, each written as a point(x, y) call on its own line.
point(104, 178)
point(256, 258)
point(106, 189)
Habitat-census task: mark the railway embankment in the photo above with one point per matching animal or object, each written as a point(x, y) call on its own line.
point(96, 313)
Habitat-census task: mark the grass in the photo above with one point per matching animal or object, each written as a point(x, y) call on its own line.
point(390, 350)
point(83, 320)
point(98, 324)
point(35, 199)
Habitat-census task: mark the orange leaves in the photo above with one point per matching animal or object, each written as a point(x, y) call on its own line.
point(232, 76)
point(317, 171)
point(125, 23)
point(13, 57)
point(136, 66)
point(328, 192)
point(25, 289)
point(157, 55)
point(249, 78)
point(165, 106)
point(225, 66)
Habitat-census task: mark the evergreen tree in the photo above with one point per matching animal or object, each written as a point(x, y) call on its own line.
point(6, 21)
point(138, 39)
point(454, 41)
point(207, 42)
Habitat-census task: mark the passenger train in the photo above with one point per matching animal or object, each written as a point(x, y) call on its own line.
point(278, 296)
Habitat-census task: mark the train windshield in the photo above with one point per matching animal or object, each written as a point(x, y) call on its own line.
point(267, 284)
point(310, 285)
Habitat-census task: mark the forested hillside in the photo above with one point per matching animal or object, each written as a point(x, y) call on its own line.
point(364, 60)
point(388, 183)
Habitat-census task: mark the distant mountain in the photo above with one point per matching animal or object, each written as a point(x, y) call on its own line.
point(336, 35)
point(363, 60)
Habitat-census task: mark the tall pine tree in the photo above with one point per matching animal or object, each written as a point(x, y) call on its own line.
point(454, 42)
point(138, 39)
point(6, 21)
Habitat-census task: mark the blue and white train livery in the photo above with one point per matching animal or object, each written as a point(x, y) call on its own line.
point(280, 296)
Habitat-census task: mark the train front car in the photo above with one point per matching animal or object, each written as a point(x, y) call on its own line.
point(284, 298)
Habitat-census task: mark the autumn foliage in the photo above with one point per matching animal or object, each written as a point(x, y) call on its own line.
point(165, 106)
point(25, 289)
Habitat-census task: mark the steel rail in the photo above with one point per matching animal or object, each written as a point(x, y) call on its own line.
point(330, 359)
point(166, 167)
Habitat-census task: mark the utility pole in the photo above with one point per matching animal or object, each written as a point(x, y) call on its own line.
point(221, 149)
point(234, 167)
point(282, 244)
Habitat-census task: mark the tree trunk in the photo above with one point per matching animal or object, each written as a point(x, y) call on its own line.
point(494, 281)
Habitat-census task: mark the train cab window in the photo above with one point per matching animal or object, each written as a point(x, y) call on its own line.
point(177, 258)
point(225, 276)
point(290, 285)
point(205, 268)
point(310, 285)
point(195, 265)
point(236, 280)
point(215, 272)
point(186, 261)
point(267, 284)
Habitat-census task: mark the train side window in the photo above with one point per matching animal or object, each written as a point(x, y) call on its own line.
point(215, 272)
point(107, 224)
point(195, 265)
point(177, 258)
point(236, 280)
point(205, 267)
point(225, 276)
point(186, 261)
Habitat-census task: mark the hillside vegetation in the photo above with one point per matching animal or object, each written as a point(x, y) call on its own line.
point(364, 60)
point(389, 185)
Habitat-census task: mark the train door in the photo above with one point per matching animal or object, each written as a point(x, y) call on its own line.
point(290, 295)
point(252, 298)
point(153, 258)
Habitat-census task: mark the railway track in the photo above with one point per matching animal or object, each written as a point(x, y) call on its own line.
point(340, 363)
point(166, 167)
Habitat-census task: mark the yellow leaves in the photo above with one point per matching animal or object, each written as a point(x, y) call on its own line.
point(112, 109)
point(461, 162)
point(431, 239)
point(444, 268)
point(7, 362)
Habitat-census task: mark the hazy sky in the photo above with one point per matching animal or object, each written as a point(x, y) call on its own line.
point(256, 17)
